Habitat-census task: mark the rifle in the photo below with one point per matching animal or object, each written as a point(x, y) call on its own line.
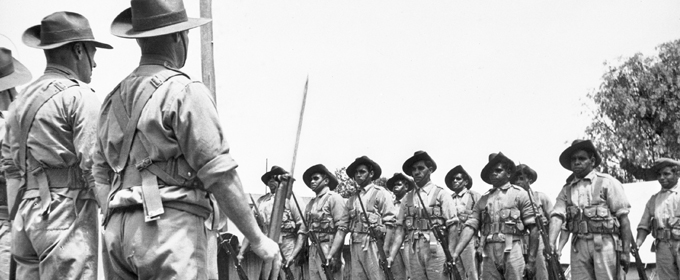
point(442, 239)
point(312, 236)
point(229, 244)
point(286, 270)
point(638, 261)
point(554, 268)
point(379, 242)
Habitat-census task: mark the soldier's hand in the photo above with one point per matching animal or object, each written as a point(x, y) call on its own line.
point(454, 256)
point(269, 252)
point(239, 257)
point(389, 262)
point(530, 270)
point(335, 264)
point(625, 261)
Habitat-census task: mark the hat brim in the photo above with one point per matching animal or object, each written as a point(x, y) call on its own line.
point(275, 171)
point(20, 76)
point(319, 168)
point(122, 26)
point(449, 176)
point(406, 167)
point(31, 38)
point(492, 163)
point(351, 169)
point(565, 157)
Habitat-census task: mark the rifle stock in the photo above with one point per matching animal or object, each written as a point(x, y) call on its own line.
point(551, 259)
point(258, 217)
point(227, 245)
point(442, 239)
point(379, 242)
point(312, 236)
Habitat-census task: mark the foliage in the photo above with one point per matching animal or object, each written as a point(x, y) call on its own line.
point(346, 185)
point(636, 119)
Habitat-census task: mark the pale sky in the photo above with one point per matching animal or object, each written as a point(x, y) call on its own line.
point(459, 79)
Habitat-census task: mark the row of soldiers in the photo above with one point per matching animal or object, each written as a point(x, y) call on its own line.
point(152, 158)
point(496, 235)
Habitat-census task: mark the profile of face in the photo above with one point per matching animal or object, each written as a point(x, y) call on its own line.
point(499, 175)
point(272, 184)
point(667, 177)
point(362, 176)
point(400, 188)
point(183, 53)
point(84, 52)
point(458, 182)
point(420, 173)
point(582, 163)
point(318, 182)
point(523, 180)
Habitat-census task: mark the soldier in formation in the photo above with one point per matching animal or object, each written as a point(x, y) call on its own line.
point(465, 199)
point(399, 185)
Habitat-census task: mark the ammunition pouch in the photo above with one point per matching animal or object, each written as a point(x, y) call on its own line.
point(415, 218)
point(509, 222)
point(358, 223)
point(670, 231)
point(287, 223)
point(591, 219)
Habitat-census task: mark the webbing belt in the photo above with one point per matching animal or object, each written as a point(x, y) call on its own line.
point(38, 176)
point(150, 172)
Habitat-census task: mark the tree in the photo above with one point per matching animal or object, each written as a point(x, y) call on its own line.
point(636, 119)
point(347, 186)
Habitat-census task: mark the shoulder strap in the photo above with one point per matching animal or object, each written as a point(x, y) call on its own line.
point(54, 87)
point(433, 199)
point(472, 200)
point(598, 192)
point(370, 204)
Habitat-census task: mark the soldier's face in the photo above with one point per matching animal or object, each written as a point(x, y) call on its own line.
point(362, 176)
point(421, 173)
point(85, 52)
point(458, 182)
point(523, 181)
point(582, 163)
point(272, 184)
point(499, 176)
point(318, 182)
point(400, 188)
point(667, 178)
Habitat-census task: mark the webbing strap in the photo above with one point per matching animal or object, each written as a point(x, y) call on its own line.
point(433, 199)
point(597, 191)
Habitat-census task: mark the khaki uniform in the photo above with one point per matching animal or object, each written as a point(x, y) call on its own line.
point(56, 221)
point(662, 219)
point(502, 216)
point(400, 268)
point(591, 207)
point(544, 205)
point(158, 203)
point(464, 202)
point(5, 224)
point(324, 214)
point(380, 210)
point(426, 255)
point(290, 224)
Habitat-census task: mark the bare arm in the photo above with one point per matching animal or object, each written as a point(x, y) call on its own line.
point(555, 228)
point(465, 238)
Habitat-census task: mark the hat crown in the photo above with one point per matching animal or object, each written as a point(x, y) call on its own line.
point(147, 15)
point(6, 62)
point(64, 26)
point(492, 156)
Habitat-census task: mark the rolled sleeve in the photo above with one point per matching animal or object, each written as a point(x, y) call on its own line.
point(399, 221)
point(337, 210)
point(648, 215)
point(525, 207)
point(560, 209)
point(448, 209)
point(9, 167)
point(475, 217)
point(387, 208)
point(616, 197)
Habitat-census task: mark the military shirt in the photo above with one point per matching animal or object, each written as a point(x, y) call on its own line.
point(464, 201)
point(497, 199)
point(62, 134)
point(291, 216)
point(383, 204)
point(181, 121)
point(427, 192)
point(333, 206)
point(661, 207)
point(582, 195)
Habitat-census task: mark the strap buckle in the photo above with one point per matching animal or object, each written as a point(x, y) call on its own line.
point(144, 164)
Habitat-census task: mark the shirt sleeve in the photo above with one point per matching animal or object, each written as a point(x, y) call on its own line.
point(448, 208)
point(546, 203)
point(387, 209)
point(9, 167)
point(84, 115)
point(525, 207)
point(399, 221)
point(648, 215)
point(337, 210)
point(475, 218)
point(560, 208)
point(616, 197)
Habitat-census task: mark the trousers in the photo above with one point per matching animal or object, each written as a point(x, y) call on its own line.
point(364, 261)
point(588, 263)
point(667, 257)
point(426, 259)
point(315, 269)
point(497, 264)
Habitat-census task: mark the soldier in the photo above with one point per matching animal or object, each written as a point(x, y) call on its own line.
point(162, 163)
point(427, 257)
point(50, 136)
point(377, 201)
point(324, 215)
point(595, 209)
point(662, 219)
point(12, 74)
point(399, 185)
point(503, 215)
point(524, 177)
point(290, 223)
point(464, 200)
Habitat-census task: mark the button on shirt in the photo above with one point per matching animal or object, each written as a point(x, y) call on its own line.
point(581, 193)
point(63, 132)
point(503, 197)
point(661, 206)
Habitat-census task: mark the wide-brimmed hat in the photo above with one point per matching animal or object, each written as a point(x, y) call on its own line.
point(151, 18)
point(660, 163)
point(320, 168)
point(526, 170)
point(417, 156)
point(352, 168)
point(458, 169)
point(59, 29)
point(276, 170)
point(400, 177)
point(577, 145)
point(12, 72)
point(494, 159)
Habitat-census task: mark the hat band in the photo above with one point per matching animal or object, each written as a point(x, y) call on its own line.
point(6, 70)
point(53, 37)
point(153, 22)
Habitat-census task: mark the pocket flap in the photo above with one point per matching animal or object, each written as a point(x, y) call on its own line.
point(590, 212)
point(602, 211)
point(505, 213)
point(514, 214)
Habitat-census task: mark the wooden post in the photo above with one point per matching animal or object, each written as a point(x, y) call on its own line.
point(207, 56)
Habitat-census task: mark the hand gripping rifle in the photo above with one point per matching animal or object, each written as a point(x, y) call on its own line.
point(439, 234)
point(286, 270)
point(315, 240)
point(229, 243)
point(552, 260)
point(379, 242)
point(638, 261)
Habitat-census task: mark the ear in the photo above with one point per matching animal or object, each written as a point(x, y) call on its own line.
point(176, 37)
point(78, 49)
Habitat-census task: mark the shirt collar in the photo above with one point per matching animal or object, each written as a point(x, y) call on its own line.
point(323, 192)
point(673, 189)
point(61, 70)
point(590, 177)
point(463, 192)
point(428, 187)
point(367, 188)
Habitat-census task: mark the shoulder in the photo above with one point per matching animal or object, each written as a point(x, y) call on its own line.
point(606, 177)
point(443, 191)
point(474, 193)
